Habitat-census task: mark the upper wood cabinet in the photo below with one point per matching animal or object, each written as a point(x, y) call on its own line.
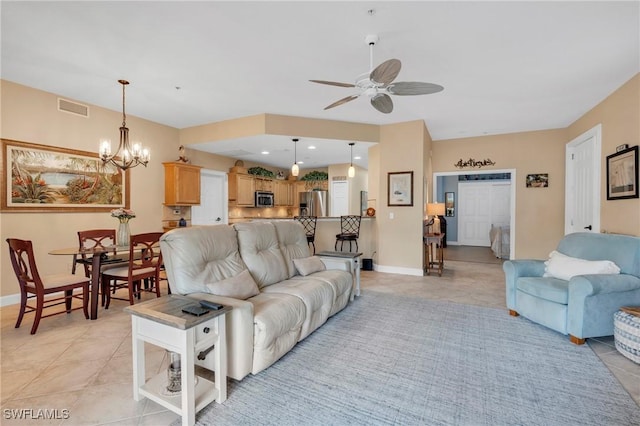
point(241, 190)
point(181, 184)
point(283, 193)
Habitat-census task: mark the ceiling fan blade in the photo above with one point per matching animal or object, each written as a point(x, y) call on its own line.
point(333, 83)
point(386, 72)
point(342, 101)
point(382, 102)
point(404, 88)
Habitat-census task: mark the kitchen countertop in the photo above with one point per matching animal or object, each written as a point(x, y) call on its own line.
point(290, 217)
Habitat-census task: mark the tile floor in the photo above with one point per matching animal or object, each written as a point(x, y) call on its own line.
point(85, 366)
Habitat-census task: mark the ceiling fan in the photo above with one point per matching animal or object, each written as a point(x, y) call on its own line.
point(378, 84)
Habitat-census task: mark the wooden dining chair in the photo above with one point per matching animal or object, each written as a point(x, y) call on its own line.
point(89, 239)
point(35, 286)
point(145, 262)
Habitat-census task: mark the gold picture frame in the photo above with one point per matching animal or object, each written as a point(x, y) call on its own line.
point(42, 178)
point(400, 189)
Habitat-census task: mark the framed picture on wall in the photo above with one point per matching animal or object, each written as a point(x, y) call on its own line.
point(42, 178)
point(400, 189)
point(622, 174)
point(450, 204)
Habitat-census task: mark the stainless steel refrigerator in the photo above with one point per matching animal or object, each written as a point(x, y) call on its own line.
point(313, 203)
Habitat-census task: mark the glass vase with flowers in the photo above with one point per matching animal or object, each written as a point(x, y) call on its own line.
point(123, 215)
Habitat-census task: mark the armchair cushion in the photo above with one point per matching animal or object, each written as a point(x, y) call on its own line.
point(242, 286)
point(566, 267)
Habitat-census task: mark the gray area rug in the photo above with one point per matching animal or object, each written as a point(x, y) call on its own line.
point(396, 360)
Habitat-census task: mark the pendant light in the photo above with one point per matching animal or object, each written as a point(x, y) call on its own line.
point(295, 169)
point(131, 156)
point(352, 171)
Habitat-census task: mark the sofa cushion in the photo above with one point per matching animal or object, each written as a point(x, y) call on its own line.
point(566, 267)
point(242, 286)
point(552, 289)
point(341, 283)
point(260, 250)
point(293, 242)
point(316, 295)
point(277, 322)
point(309, 265)
point(198, 255)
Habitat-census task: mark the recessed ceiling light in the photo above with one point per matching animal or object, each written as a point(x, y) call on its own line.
point(311, 147)
point(300, 162)
point(265, 152)
point(357, 157)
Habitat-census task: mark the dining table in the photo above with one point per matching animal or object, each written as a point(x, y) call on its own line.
point(96, 257)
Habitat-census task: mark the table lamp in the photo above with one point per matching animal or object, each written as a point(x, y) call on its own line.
point(435, 210)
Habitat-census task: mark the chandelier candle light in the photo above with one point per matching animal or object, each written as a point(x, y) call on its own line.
point(131, 156)
point(123, 215)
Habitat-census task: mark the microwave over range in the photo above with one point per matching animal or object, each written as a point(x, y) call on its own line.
point(264, 199)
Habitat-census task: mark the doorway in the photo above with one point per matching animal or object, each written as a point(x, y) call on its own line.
point(510, 205)
point(582, 183)
point(213, 208)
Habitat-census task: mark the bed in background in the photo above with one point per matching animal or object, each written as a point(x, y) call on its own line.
point(500, 237)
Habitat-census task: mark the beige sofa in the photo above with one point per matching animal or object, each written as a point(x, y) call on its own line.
point(287, 308)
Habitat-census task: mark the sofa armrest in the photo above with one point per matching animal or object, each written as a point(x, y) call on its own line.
point(593, 299)
point(239, 330)
point(514, 269)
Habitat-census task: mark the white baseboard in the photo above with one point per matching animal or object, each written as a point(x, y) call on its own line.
point(12, 299)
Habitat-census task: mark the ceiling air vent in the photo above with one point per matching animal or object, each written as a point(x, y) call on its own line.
point(73, 107)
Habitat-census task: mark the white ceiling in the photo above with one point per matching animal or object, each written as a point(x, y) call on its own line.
point(505, 66)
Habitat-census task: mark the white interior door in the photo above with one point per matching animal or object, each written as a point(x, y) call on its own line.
point(582, 186)
point(474, 222)
point(213, 208)
point(339, 198)
point(482, 204)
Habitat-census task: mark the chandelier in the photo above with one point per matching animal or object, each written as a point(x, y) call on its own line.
point(126, 156)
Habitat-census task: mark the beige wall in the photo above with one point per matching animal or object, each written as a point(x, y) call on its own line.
point(401, 148)
point(540, 211)
point(31, 115)
point(619, 114)
point(539, 218)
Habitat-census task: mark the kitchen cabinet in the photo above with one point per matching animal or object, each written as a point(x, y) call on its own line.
point(264, 184)
point(181, 184)
point(283, 193)
point(241, 190)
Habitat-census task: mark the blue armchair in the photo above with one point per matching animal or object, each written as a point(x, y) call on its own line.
point(583, 306)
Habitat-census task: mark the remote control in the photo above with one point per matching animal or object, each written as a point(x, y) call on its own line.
point(210, 305)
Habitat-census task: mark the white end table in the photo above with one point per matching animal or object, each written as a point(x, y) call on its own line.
point(337, 257)
point(161, 322)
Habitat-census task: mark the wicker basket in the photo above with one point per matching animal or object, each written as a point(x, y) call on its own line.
point(626, 332)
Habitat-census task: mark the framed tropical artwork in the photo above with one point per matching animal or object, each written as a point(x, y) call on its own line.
point(41, 178)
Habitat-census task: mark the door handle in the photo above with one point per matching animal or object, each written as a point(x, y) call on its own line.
point(588, 227)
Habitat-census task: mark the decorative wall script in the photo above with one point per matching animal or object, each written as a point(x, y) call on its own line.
point(474, 163)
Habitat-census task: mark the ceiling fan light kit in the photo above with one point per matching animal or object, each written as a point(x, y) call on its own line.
point(378, 84)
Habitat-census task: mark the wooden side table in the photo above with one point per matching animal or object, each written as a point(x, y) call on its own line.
point(433, 253)
point(161, 322)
